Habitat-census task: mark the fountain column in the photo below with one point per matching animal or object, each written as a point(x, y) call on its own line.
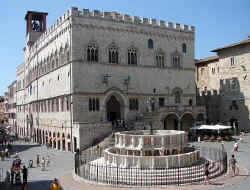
point(132, 141)
point(162, 141)
point(141, 142)
point(152, 141)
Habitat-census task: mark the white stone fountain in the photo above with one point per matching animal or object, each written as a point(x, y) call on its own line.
point(146, 149)
point(150, 158)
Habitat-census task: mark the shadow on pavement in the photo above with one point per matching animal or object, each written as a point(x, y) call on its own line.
point(23, 147)
point(214, 183)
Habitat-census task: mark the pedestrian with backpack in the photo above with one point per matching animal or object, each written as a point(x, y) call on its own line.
point(232, 163)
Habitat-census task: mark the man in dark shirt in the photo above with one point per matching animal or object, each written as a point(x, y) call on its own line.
point(25, 174)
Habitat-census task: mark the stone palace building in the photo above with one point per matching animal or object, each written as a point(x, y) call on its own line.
point(223, 85)
point(90, 68)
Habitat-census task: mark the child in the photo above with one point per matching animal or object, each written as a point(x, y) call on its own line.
point(206, 172)
point(236, 147)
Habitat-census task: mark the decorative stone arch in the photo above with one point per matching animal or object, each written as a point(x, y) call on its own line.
point(171, 121)
point(110, 96)
point(176, 89)
point(187, 121)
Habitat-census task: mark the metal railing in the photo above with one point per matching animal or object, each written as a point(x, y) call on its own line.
point(3, 179)
point(89, 166)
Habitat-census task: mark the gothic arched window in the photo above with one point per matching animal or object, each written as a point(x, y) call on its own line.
point(176, 61)
point(113, 55)
point(184, 48)
point(160, 60)
point(132, 56)
point(92, 53)
point(150, 44)
point(177, 97)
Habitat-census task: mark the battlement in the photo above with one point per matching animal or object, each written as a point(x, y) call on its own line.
point(111, 16)
point(124, 18)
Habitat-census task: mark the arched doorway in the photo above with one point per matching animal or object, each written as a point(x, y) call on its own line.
point(113, 108)
point(171, 122)
point(187, 121)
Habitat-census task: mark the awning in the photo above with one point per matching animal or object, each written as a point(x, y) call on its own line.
point(210, 127)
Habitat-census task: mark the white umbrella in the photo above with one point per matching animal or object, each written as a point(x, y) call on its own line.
point(210, 127)
point(221, 127)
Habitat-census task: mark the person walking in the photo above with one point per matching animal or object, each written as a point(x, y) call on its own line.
point(48, 161)
point(43, 164)
point(6, 152)
point(232, 163)
point(206, 172)
point(55, 185)
point(25, 174)
point(38, 160)
point(236, 147)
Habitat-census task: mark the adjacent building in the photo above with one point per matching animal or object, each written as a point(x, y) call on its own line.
point(90, 68)
point(223, 85)
point(10, 111)
point(1, 109)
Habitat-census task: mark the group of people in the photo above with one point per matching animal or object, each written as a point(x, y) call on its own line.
point(45, 162)
point(232, 167)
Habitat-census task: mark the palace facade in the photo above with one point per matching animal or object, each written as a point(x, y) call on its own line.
point(90, 68)
point(223, 85)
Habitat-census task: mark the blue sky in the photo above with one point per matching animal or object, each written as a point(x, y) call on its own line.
point(217, 22)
